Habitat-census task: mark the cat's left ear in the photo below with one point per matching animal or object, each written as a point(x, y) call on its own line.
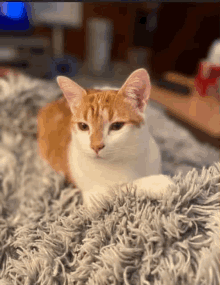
point(137, 88)
point(71, 90)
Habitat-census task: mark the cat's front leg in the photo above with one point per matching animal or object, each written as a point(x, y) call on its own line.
point(98, 198)
point(154, 186)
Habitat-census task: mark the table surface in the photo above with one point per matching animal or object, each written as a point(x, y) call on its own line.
point(200, 112)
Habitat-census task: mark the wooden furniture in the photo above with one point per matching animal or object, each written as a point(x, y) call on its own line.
point(201, 112)
point(185, 49)
point(190, 31)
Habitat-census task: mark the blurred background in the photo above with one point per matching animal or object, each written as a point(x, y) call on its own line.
point(104, 42)
point(160, 37)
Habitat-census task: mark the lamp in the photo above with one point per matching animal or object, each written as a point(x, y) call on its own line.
point(59, 16)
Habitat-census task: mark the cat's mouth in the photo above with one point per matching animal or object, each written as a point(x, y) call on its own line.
point(95, 156)
point(98, 157)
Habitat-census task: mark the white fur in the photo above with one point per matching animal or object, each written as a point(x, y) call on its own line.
point(130, 155)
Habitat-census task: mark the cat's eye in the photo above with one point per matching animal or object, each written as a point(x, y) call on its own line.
point(116, 126)
point(83, 126)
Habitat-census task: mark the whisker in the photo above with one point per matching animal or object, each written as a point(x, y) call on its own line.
point(126, 148)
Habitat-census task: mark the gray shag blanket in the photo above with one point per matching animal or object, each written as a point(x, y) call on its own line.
point(47, 237)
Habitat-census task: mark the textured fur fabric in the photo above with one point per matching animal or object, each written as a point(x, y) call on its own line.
point(47, 237)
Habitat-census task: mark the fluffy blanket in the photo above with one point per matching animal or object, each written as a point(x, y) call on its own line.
point(47, 237)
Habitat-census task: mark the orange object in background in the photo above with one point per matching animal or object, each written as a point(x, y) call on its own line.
point(207, 82)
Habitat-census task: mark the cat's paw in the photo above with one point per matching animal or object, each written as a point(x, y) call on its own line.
point(98, 199)
point(155, 186)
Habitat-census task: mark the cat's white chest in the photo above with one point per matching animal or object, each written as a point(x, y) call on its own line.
point(89, 173)
point(96, 178)
point(97, 173)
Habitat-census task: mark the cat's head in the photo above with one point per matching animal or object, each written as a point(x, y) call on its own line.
point(106, 123)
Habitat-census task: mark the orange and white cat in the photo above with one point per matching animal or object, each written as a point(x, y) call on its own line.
point(99, 138)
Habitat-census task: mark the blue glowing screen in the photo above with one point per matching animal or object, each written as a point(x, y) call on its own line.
point(13, 10)
point(13, 16)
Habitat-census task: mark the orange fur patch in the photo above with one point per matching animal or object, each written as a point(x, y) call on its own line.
point(55, 122)
point(54, 135)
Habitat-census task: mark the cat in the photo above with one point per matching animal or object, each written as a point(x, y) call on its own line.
point(98, 138)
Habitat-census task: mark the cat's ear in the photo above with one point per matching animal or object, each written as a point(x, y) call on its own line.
point(71, 90)
point(137, 88)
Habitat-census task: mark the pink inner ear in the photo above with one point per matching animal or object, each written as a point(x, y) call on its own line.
point(70, 96)
point(137, 88)
point(71, 90)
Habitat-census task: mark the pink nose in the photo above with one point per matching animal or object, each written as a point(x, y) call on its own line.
point(97, 148)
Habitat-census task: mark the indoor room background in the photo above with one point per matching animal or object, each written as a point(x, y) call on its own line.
point(101, 43)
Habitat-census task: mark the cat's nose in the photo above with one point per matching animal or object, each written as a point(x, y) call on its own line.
point(97, 148)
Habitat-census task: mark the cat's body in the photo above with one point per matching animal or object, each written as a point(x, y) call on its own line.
point(54, 135)
point(100, 173)
point(99, 138)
